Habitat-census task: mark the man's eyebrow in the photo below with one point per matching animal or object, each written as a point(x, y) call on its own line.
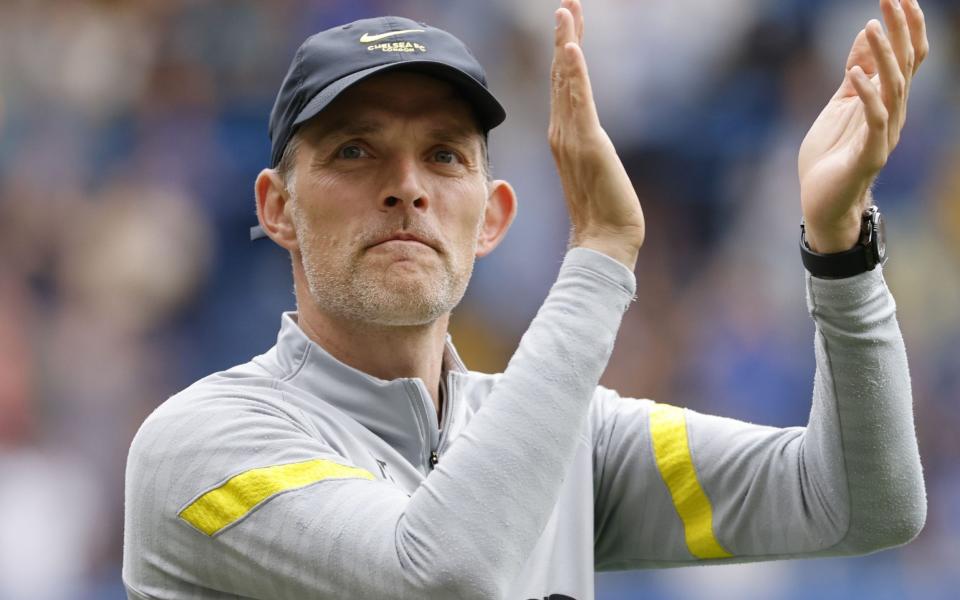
point(458, 134)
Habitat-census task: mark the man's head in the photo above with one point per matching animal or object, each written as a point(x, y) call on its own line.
point(382, 194)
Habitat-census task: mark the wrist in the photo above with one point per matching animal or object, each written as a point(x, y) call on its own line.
point(867, 252)
point(838, 237)
point(626, 254)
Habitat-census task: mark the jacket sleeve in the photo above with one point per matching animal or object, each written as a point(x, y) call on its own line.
point(464, 533)
point(674, 486)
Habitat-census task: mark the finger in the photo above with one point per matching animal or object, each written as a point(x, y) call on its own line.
point(565, 31)
point(918, 32)
point(576, 9)
point(877, 118)
point(560, 106)
point(892, 81)
point(861, 54)
point(580, 91)
point(561, 36)
point(896, 22)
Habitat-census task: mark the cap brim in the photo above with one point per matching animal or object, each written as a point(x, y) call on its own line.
point(488, 110)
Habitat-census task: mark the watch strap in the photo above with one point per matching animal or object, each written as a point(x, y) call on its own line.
point(836, 265)
point(869, 251)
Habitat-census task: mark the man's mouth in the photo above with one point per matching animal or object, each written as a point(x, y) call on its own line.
point(404, 238)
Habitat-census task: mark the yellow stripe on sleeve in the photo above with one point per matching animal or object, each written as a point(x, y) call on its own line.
point(231, 501)
point(668, 429)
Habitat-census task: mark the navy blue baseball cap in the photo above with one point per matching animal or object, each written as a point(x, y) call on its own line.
point(331, 61)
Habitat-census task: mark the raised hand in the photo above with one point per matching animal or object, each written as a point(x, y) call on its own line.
point(604, 209)
point(855, 133)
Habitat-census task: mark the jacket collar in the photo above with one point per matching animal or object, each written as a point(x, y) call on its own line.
point(398, 410)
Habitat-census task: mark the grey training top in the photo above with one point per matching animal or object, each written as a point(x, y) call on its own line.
point(296, 476)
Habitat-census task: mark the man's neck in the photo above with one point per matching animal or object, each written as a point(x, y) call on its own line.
point(387, 352)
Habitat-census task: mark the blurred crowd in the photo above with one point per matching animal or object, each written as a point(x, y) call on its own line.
point(130, 136)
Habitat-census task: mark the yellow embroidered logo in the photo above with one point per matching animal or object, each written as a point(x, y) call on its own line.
point(369, 39)
point(397, 47)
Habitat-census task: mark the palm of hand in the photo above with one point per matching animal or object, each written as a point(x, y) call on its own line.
point(836, 162)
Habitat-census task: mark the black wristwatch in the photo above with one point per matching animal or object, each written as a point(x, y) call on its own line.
point(870, 251)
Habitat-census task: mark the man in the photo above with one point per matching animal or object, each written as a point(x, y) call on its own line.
point(358, 458)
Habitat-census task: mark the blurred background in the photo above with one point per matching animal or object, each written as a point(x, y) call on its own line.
point(130, 136)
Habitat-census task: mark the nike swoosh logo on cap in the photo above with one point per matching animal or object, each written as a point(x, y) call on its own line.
point(367, 38)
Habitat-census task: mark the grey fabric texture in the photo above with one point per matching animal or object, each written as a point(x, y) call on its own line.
point(848, 483)
point(543, 476)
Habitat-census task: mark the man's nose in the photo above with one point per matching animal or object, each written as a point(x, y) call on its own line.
point(404, 186)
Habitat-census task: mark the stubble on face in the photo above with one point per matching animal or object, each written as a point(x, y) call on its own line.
point(346, 282)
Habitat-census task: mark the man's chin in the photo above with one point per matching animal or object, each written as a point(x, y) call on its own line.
point(409, 303)
point(405, 320)
point(405, 294)
point(405, 314)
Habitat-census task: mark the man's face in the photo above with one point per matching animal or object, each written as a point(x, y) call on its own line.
point(388, 193)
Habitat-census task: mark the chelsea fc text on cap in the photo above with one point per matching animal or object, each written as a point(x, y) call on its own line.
point(331, 61)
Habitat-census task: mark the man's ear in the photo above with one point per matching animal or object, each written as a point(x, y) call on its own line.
point(272, 210)
point(498, 215)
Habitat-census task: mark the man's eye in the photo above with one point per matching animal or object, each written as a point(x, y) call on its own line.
point(445, 157)
point(350, 152)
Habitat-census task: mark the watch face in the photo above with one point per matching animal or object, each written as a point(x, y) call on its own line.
point(880, 236)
